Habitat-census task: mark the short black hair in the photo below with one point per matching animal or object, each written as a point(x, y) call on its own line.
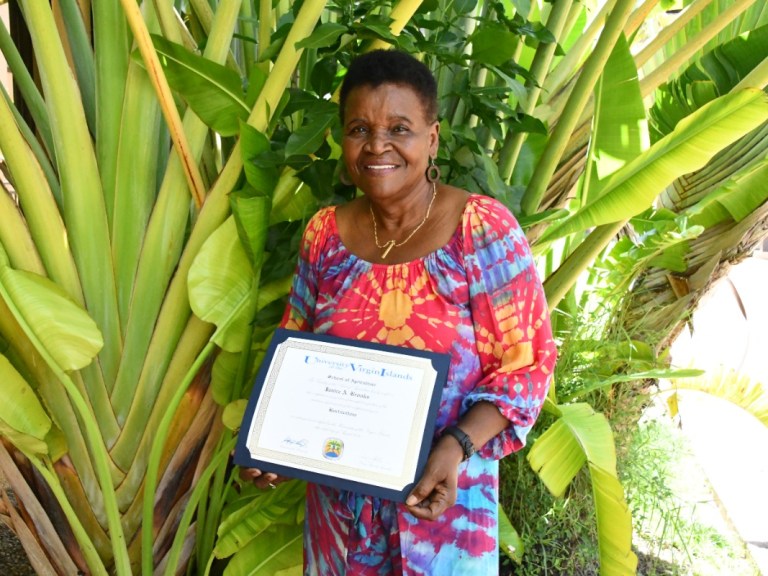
point(391, 67)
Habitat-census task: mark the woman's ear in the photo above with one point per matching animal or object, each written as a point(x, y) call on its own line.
point(434, 138)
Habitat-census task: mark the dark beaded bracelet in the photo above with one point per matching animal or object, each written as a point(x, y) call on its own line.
point(463, 439)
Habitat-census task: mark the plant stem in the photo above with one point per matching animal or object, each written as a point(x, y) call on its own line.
point(513, 142)
point(153, 466)
point(576, 102)
point(692, 47)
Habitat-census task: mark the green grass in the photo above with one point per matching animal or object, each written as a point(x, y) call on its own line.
point(679, 527)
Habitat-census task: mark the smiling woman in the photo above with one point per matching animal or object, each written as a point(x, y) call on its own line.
point(416, 263)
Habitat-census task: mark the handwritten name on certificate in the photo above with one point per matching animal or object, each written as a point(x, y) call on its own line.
point(351, 412)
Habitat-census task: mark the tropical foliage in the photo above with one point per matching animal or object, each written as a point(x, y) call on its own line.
point(167, 154)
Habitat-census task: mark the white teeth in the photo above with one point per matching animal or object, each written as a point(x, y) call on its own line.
point(380, 167)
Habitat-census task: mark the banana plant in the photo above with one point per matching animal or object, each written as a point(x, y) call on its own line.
point(110, 206)
point(160, 182)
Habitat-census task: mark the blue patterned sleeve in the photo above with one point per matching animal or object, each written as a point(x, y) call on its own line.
point(511, 322)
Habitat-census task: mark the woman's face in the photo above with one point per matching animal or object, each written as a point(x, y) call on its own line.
point(387, 141)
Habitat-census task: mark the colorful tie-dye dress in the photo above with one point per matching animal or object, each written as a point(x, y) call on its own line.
point(479, 299)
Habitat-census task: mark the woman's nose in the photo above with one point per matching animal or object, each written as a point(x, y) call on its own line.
point(378, 141)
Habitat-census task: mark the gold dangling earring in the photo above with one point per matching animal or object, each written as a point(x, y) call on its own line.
point(433, 171)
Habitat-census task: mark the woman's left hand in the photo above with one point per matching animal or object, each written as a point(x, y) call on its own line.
point(436, 490)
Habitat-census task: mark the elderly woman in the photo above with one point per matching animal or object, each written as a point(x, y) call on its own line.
point(413, 262)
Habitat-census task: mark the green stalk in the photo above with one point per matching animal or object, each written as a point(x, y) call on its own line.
point(27, 87)
point(265, 33)
point(153, 466)
point(96, 445)
point(112, 48)
point(167, 17)
point(565, 277)
point(82, 57)
point(90, 554)
point(196, 334)
point(639, 16)
point(162, 245)
point(200, 490)
point(40, 210)
point(170, 111)
point(15, 238)
point(175, 310)
point(669, 32)
point(578, 99)
point(401, 14)
point(84, 210)
point(37, 149)
point(692, 46)
point(570, 63)
point(248, 30)
point(542, 60)
point(135, 183)
point(50, 238)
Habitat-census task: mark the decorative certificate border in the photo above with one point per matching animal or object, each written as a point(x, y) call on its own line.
point(271, 408)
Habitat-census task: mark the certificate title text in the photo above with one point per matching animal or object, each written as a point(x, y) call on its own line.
point(345, 366)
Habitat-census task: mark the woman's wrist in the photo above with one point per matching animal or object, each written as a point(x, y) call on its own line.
point(449, 444)
point(463, 440)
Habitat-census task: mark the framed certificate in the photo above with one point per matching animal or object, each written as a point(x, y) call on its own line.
point(348, 414)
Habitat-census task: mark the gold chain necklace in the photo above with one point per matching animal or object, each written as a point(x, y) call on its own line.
point(387, 246)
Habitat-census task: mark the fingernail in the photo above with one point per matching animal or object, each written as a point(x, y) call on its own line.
point(411, 501)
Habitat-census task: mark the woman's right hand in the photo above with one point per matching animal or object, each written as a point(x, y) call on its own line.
point(261, 479)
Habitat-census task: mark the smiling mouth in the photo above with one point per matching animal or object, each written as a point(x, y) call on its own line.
point(380, 167)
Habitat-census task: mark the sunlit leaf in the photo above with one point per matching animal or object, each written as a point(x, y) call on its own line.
point(233, 414)
point(63, 329)
point(510, 542)
point(695, 140)
point(279, 549)
point(578, 436)
point(23, 420)
point(614, 524)
point(621, 130)
point(221, 286)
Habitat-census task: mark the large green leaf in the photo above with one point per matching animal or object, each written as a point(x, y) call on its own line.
point(695, 140)
point(324, 35)
point(278, 551)
point(23, 420)
point(582, 435)
point(221, 286)
point(213, 91)
point(578, 436)
point(620, 130)
point(49, 317)
point(253, 519)
point(614, 524)
point(735, 199)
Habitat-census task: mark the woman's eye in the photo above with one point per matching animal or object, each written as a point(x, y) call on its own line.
point(358, 130)
point(400, 128)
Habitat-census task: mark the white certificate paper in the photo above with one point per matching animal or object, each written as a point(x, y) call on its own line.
point(343, 413)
